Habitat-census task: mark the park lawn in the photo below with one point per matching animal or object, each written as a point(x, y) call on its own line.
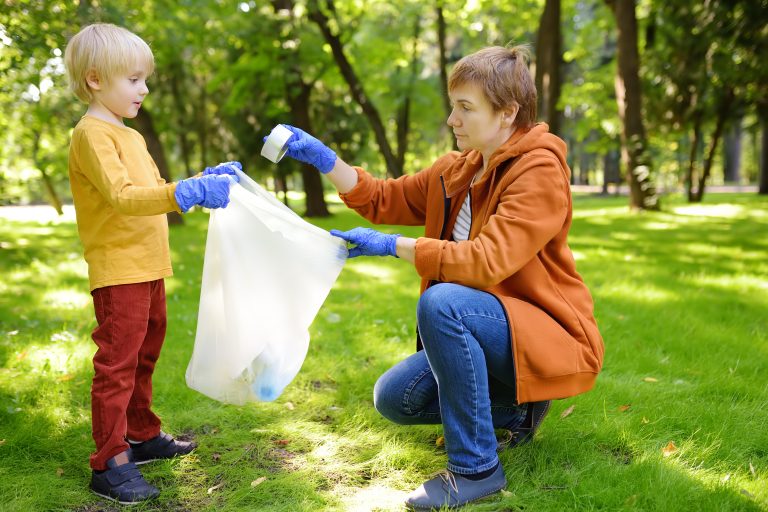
point(676, 420)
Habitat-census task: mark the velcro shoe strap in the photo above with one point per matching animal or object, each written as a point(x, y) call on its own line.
point(121, 474)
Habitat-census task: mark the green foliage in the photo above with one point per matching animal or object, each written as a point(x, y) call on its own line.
point(228, 70)
point(697, 55)
point(33, 90)
point(680, 299)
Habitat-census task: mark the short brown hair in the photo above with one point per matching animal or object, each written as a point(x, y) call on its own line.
point(106, 49)
point(504, 76)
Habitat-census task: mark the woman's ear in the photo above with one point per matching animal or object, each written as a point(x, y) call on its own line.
point(508, 116)
point(92, 79)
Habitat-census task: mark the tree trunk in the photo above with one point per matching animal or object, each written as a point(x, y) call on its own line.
point(629, 98)
point(441, 30)
point(313, 184)
point(611, 171)
point(202, 123)
point(726, 102)
point(281, 187)
point(691, 176)
point(53, 196)
point(548, 64)
point(762, 114)
point(298, 95)
point(404, 110)
point(585, 164)
point(355, 86)
point(155, 148)
point(732, 153)
point(443, 56)
point(176, 74)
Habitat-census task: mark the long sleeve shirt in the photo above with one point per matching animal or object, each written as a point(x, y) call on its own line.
point(120, 202)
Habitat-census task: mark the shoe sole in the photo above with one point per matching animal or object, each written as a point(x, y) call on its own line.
point(116, 500)
point(408, 506)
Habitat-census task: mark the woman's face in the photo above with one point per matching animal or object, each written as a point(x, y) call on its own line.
point(474, 122)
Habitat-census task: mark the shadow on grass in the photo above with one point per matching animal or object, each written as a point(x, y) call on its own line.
point(680, 299)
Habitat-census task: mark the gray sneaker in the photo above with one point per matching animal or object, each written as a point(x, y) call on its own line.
point(453, 490)
point(524, 432)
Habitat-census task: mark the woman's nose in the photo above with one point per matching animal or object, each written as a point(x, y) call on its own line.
point(451, 121)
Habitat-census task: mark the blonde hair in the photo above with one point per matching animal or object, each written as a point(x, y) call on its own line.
point(108, 50)
point(504, 76)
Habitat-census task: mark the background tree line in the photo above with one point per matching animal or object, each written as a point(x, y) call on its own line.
point(657, 95)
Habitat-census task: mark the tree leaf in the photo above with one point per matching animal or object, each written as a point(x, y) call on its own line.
point(440, 441)
point(59, 472)
point(650, 379)
point(282, 442)
point(567, 412)
point(669, 449)
point(624, 408)
point(216, 456)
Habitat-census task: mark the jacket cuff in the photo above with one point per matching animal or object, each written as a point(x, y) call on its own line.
point(429, 257)
point(361, 193)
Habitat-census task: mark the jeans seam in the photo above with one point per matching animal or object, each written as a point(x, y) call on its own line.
point(462, 316)
point(409, 389)
point(475, 406)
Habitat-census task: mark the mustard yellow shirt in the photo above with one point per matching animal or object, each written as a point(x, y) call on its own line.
point(120, 202)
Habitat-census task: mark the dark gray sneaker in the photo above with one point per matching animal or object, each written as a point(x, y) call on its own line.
point(162, 446)
point(452, 490)
point(122, 482)
point(524, 432)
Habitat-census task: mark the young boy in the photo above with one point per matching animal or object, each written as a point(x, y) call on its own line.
point(121, 201)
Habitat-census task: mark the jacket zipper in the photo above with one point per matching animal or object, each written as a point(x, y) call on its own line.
point(446, 208)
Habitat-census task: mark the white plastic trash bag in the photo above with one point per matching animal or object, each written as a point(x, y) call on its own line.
point(266, 274)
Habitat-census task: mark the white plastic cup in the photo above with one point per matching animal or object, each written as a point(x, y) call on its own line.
point(276, 144)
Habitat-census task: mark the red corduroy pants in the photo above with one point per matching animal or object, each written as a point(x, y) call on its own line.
point(131, 329)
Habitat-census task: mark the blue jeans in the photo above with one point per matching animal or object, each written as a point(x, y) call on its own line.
point(464, 378)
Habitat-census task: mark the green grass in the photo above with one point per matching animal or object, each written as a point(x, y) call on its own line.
point(681, 297)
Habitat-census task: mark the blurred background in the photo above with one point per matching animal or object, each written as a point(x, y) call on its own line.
point(652, 97)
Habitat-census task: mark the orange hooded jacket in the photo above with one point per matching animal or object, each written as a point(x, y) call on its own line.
point(517, 250)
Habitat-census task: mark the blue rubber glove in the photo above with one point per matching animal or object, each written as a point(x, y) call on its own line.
point(211, 191)
point(369, 242)
point(305, 148)
point(223, 168)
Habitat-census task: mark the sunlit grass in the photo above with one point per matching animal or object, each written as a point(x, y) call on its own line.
point(680, 297)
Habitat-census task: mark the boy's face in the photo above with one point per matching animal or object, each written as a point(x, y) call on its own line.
point(122, 96)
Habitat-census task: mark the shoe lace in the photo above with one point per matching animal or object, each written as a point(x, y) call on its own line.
point(448, 477)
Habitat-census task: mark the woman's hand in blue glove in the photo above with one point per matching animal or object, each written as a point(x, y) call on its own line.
point(224, 168)
point(368, 242)
point(210, 191)
point(305, 148)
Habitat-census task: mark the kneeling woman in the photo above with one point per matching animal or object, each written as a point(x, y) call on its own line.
point(505, 321)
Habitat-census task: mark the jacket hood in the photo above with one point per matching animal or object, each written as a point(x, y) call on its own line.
point(458, 176)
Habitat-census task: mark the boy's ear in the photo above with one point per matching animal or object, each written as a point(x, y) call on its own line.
point(92, 79)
